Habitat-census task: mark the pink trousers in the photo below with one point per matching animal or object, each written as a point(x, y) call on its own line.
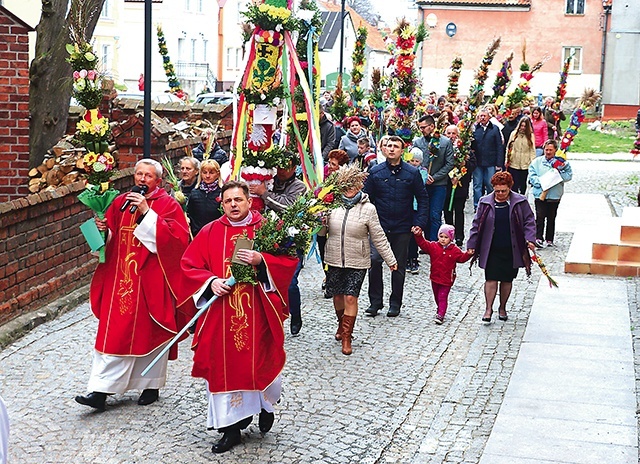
point(441, 295)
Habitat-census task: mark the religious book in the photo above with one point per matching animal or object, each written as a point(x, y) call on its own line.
point(243, 243)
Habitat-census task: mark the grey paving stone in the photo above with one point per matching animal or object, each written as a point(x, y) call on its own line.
point(411, 392)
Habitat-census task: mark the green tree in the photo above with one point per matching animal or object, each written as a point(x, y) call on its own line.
point(50, 73)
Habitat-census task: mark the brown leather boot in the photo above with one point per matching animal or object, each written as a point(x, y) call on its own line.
point(339, 315)
point(347, 331)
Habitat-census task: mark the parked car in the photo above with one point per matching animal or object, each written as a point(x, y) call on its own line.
point(164, 97)
point(216, 98)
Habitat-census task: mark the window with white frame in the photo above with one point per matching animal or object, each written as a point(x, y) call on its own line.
point(180, 49)
point(234, 58)
point(574, 7)
point(205, 50)
point(200, 2)
point(575, 67)
point(230, 57)
point(193, 51)
point(106, 10)
point(187, 5)
point(106, 57)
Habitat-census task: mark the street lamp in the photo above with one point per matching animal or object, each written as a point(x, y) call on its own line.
point(147, 80)
point(342, 13)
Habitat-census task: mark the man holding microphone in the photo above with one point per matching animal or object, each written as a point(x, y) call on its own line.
point(133, 292)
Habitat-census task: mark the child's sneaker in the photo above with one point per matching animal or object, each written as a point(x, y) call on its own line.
point(415, 267)
point(439, 320)
point(549, 243)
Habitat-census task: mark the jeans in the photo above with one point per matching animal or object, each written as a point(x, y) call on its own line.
point(437, 195)
point(399, 245)
point(482, 182)
point(546, 210)
point(294, 291)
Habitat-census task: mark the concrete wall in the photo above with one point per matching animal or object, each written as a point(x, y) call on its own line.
point(622, 75)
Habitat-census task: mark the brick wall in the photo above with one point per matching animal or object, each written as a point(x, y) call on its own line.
point(14, 107)
point(43, 254)
point(619, 112)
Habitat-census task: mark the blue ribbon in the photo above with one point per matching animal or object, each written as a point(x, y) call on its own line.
point(314, 249)
point(310, 33)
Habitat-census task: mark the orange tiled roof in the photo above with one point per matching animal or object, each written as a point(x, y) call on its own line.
point(374, 38)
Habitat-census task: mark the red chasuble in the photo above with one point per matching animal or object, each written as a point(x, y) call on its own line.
point(133, 292)
point(239, 341)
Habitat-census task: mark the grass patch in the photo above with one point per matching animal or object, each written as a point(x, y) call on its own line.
point(588, 141)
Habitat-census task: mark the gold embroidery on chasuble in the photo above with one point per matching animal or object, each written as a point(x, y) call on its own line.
point(128, 276)
point(239, 300)
point(236, 400)
point(239, 321)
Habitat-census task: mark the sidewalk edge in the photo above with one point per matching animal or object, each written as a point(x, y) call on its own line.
point(20, 326)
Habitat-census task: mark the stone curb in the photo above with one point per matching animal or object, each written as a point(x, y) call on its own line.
point(20, 326)
point(622, 156)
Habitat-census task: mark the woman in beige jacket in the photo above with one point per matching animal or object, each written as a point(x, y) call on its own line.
point(521, 150)
point(347, 253)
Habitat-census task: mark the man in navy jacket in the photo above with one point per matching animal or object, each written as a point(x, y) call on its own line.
point(489, 150)
point(392, 187)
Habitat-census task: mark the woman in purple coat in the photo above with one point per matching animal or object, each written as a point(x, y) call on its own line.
point(503, 231)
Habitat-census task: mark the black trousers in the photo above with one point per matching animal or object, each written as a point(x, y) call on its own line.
point(519, 180)
point(546, 210)
point(242, 424)
point(456, 216)
point(400, 245)
point(322, 243)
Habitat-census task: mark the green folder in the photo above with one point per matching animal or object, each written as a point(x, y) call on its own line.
point(92, 235)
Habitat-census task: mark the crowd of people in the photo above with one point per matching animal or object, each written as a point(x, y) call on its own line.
point(165, 263)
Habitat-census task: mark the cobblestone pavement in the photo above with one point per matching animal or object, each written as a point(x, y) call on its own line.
point(412, 392)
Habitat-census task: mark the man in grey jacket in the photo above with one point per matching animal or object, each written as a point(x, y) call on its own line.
point(287, 188)
point(438, 160)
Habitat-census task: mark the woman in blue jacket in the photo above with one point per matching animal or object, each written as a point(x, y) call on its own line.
point(547, 202)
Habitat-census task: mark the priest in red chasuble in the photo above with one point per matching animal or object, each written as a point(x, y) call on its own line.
point(239, 342)
point(133, 294)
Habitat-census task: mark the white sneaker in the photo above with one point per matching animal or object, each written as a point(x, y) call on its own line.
point(549, 243)
point(540, 244)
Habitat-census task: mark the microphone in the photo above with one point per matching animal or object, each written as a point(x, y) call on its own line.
point(137, 189)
